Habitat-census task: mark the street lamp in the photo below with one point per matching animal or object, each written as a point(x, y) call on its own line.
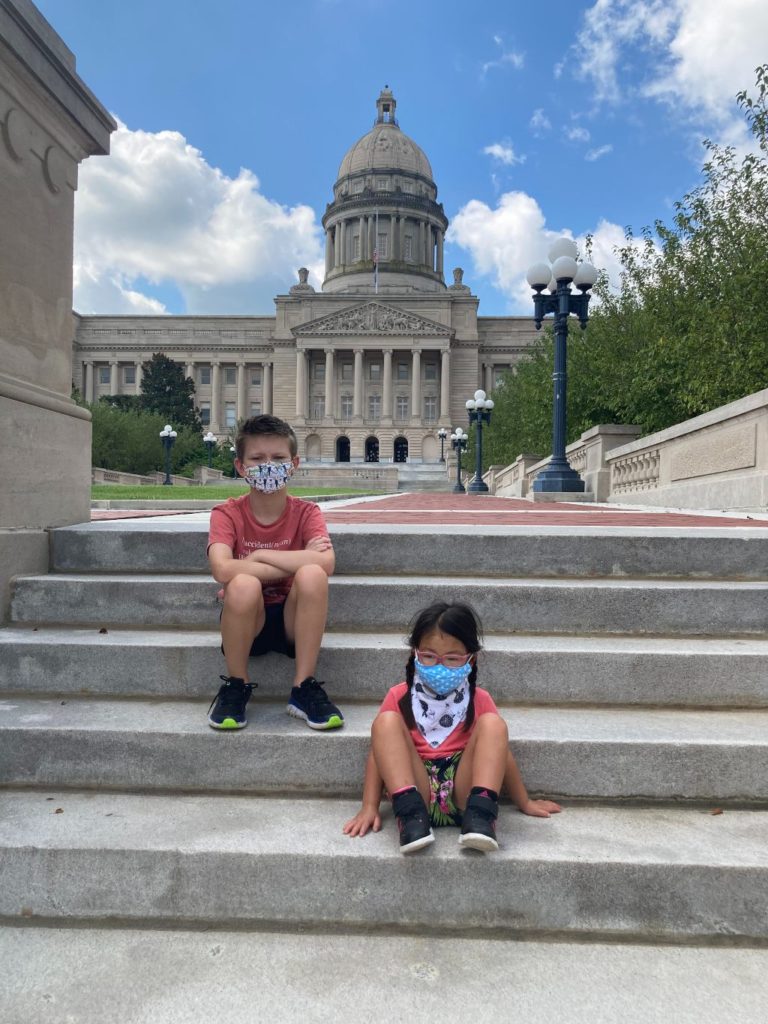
point(442, 434)
point(234, 467)
point(479, 412)
point(558, 477)
point(459, 442)
point(209, 441)
point(167, 436)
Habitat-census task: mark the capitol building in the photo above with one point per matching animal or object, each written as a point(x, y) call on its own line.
point(366, 370)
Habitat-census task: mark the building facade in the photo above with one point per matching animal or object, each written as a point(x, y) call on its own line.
point(366, 370)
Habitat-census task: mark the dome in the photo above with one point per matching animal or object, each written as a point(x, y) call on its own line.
point(385, 147)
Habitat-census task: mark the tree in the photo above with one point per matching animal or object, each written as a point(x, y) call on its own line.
point(167, 392)
point(129, 442)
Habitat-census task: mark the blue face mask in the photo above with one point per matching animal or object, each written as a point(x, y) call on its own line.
point(440, 679)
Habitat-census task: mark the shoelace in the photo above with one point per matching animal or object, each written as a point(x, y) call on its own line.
point(316, 696)
point(232, 700)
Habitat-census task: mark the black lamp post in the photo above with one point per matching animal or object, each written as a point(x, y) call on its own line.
point(558, 477)
point(167, 436)
point(459, 441)
point(210, 443)
point(442, 434)
point(234, 467)
point(479, 412)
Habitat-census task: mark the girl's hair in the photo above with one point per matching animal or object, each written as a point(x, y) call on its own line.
point(456, 619)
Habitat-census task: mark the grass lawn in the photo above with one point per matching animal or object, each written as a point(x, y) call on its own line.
point(155, 492)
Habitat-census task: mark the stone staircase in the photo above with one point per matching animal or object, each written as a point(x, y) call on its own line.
point(631, 666)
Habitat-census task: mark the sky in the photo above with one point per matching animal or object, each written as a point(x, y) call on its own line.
point(234, 115)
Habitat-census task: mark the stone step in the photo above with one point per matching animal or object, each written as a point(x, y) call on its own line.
point(584, 983)
point(595, 753)
point(650, 872)
point(170, 663)
point(649, 607)
point(177, 544)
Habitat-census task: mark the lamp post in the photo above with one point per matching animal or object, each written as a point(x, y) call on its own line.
point(558, 477)
point(459, 441)
point(233, 450)
point(442, 434)
point(167, 436)
point(210, 443)
point(479, 412)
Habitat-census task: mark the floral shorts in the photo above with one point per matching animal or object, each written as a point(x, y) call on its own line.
point(441, 773)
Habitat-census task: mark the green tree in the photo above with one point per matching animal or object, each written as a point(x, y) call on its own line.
point(166, 391)
point(129, 442)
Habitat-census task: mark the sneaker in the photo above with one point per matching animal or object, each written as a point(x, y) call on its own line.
point(227, 710)
point(310, 702)
point(478, 830)
point(412, 821)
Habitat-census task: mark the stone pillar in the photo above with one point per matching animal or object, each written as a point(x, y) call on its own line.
point(329, 395)
point(386, 397)
point(416, 385)
point(357, 396)
point(51, 122)
point(361, 229)
point(439, 234)
point(342, 243)
point(114, 379)
point(301, 383)
point(189, 370)
point(337, 244)
point(422, 249)
point(88, 383)
point(215, 397)
point(372, 239)
point(328, 250)
point(488, 384)
point(266, 388)
point(445, 385)
point(241, 411)
point(429, 258)
point(393, 238)
point(139, 373)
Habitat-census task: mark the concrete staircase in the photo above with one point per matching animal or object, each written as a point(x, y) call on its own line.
point(631, 666)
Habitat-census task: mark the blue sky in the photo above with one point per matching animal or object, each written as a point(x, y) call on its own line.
point(235, 116)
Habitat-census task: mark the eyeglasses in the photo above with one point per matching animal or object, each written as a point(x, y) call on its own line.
point(429, 658)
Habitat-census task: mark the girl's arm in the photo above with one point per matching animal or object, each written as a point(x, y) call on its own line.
point(513, 783)
point(368, 817)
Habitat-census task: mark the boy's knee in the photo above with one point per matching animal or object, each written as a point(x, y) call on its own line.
point(311, 578)
point(243, 593)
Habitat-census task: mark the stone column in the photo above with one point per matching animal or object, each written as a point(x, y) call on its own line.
point(428, 254)
point(372, 239)
point(215, 397)
point(88, 383)
point(241, 393)
point(266, 388)
point(422, 243)
point(342, 243)
point(189, 370)
point(328, 250)
point(139, 373)
point(362, 238)
point(357, 397)
point(488, 385)
point(439, 252)
point(336, 244)
point(445, 384)
point(114, 380)
point(301, 383)
point(416, 385)
point(393, 240)
point(386, 397)
point(329, 395)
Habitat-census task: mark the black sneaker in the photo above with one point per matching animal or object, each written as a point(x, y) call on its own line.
point(227, 710)
point(478, 830)
point(310, 702)
point(412, 820)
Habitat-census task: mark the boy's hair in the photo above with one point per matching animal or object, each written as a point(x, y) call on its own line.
point(456, 619)
point(258, 425)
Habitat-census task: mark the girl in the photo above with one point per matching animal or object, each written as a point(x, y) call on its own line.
point(438, 744)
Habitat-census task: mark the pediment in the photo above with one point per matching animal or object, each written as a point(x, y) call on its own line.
point(373, 318)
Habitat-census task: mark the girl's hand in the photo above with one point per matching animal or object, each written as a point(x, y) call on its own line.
point(364, 821)
point(540, 808)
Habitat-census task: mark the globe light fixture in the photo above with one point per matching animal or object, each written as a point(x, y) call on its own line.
point(167, 436)
point(209, 441)
point(442, 434)
point(459, 442)
point(479, 412)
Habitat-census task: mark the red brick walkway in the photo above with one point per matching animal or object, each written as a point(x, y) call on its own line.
point(476, 509)
point(97, 514)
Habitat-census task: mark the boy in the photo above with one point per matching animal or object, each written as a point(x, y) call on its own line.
point(273, 555)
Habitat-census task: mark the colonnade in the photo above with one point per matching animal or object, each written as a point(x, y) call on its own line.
point(427, 238)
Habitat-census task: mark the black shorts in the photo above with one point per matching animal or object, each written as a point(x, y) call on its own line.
point(272, 636)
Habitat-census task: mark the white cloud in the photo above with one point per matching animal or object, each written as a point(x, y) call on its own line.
point(595, 154)
point(504, 153)
point(577, 134)
point(701, 52)
point(506, 57)
point(539, 122)
point(503, 242)
point(155, 209)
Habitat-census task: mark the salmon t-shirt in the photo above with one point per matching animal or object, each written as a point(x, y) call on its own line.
point(460, 736)
point(235, 525)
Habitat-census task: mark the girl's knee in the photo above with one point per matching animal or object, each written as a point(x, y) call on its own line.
point(492, 726)
point(387, 722)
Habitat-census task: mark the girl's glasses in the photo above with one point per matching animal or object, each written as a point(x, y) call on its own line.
point(428, 659)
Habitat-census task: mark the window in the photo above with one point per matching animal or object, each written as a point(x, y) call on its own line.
point(409, 247)
point(430, 408)
point(374, 407)
point(346, 371)
point(402, 407)
point(403, 372)
point(430, 371)
point(318, 407)
point(356, 247)
point(357, 186)
point(129, 375)
point(374, 371)
point(255, 378)
point(205, 413)
point(255, 408)
point(204, 375)
point(230, 415)
point(230, 375)
point(104, 375)
point(346, 407)
point(381, 183)
point(382, 247)
point(318, 371)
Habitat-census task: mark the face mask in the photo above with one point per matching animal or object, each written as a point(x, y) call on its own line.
point(440, 679)
point(269, 476)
